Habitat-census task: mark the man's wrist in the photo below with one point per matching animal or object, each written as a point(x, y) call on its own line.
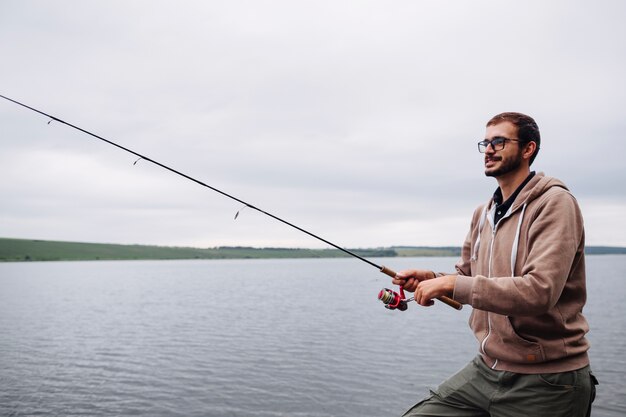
point(450, 283)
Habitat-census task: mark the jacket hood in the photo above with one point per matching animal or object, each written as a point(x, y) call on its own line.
point(536, 187)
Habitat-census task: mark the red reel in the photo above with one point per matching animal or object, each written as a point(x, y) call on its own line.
point(392, 299)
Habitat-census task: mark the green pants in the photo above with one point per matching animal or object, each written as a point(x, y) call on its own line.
point(479, 391)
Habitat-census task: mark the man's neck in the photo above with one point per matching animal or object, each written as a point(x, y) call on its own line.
point(509, 182)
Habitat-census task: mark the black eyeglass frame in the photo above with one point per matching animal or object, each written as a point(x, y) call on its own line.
point(497, 143)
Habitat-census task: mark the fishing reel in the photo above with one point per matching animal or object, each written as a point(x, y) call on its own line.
point(393, 300)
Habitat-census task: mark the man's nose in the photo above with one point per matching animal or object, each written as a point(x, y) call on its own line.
point(490, 149)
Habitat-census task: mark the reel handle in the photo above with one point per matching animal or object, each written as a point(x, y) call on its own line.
point(446, 300)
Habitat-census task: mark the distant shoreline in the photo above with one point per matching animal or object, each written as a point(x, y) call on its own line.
point(24, 250)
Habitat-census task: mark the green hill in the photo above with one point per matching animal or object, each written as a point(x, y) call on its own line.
point(42, 250)
point(16, 250)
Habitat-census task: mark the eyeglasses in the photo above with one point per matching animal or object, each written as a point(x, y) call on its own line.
point(496, 143)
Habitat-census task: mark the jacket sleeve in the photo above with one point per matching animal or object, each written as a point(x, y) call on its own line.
point(555, 237)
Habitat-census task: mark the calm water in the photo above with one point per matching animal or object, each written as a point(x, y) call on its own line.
point(247, 338)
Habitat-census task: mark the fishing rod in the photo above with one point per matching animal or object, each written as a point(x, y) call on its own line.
point(391, 299)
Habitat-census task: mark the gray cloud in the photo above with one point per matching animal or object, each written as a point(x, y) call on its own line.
point(357, 120)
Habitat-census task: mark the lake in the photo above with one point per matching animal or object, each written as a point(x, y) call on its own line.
point(296, 337)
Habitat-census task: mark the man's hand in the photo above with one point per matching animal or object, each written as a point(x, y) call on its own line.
point(427, 290)
point(408, 279)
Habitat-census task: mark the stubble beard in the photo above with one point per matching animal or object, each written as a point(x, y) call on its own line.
point(507, 166)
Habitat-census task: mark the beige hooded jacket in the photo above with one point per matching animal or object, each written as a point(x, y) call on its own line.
point(525, 279)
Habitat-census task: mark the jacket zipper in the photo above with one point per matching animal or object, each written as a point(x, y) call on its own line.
point(493, 238)
point(484, 342)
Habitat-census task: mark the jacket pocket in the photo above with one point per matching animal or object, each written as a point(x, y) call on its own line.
point(478, 323)
point(505, 344)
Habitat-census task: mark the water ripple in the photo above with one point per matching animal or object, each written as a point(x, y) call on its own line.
point(303, 338)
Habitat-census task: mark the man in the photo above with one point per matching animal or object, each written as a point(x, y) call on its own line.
point(522, 269)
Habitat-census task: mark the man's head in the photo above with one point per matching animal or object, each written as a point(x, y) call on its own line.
point(527, 129)
point(511, 143)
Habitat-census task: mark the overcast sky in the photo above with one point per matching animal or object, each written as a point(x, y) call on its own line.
point(356, 120)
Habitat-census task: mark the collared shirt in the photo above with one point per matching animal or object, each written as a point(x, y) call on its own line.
point(502, 208)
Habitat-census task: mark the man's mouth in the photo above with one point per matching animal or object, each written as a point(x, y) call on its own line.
point(492, 160)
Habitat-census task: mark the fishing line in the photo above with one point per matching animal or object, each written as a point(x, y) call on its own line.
point(382, 269)
point(239, 211)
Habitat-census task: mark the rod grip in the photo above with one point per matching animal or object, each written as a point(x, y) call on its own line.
point(446, 300)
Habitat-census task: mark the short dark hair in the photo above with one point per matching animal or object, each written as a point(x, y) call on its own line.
point(527, 129)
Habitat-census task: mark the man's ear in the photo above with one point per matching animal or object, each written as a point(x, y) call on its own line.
point(529, 150)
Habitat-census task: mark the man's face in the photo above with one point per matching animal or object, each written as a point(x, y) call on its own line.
point(506, 160)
